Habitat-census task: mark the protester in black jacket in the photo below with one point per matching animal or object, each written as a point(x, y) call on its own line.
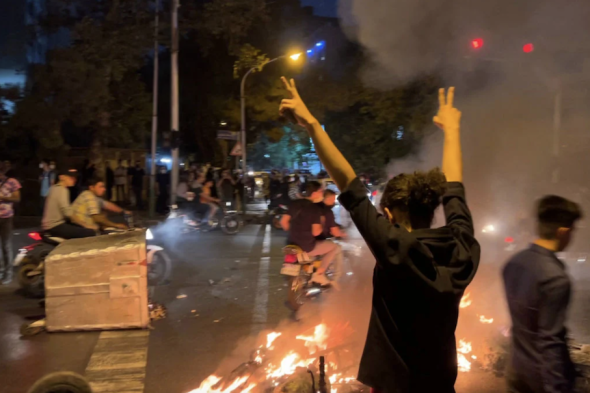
point(421, 273)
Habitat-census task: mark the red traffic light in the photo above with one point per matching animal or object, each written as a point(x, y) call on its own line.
point(477, 43)
point(528, 48)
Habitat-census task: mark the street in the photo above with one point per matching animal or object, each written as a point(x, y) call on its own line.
point(224, 292)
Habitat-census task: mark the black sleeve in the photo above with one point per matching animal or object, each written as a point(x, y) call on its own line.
point(555, 360)
point(457, 213)
point(381, 237)
point(315, 214)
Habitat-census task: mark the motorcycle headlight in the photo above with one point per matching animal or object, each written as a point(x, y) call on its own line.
point(148, 235)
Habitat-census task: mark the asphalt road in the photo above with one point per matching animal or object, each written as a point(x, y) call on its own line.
point(224, 291)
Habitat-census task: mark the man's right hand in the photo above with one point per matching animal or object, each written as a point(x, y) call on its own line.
point(448, 117)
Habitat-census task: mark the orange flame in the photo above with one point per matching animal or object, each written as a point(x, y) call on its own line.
point(463, 349)
point(208, 385)
point(318, 340)
point(288, 365)
point(465, 301)
point(483, 319)
point(271, 337)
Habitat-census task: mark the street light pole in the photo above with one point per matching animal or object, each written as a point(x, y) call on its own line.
point(154, 115)
point(243, 110)
point(174, 99)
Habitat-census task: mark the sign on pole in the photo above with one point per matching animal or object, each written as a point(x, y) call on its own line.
point(237, 150)
point(227, 135)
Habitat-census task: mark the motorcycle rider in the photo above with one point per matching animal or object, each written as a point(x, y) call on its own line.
point(303, 221)
point(331, 230)
point(58, 219)
point(88, 207)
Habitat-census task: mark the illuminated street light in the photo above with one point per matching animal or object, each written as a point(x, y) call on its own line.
point(295, 57)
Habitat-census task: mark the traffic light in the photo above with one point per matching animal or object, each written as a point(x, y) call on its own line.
point(477, 43)
point(528, 48)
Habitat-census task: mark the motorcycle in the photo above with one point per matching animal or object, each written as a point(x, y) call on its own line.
point(228, 220)
point(31, 260)
point(298, 268)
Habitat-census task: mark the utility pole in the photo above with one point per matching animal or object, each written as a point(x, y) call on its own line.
point(174, 99)
point(155, 114)
point(557, 105)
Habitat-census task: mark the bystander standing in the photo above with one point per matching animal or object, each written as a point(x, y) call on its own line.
point(9, 193)
point(121, 182)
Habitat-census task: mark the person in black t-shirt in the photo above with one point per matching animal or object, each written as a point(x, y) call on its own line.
point(331, 229)
point(303, 221)
point(421, 273)
point(163, 183)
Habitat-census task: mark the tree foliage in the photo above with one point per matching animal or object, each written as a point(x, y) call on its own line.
point(91, 87)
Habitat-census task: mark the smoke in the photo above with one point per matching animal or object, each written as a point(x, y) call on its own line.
point(508, 98)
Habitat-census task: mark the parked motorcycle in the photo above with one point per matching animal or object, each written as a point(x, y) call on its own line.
point(31, 260)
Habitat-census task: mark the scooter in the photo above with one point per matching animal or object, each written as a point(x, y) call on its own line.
point(228, 220)
point(31, 261)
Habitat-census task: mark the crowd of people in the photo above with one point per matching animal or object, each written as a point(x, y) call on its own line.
point(421, 273)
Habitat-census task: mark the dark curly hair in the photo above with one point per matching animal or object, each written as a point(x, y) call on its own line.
point(417, 194)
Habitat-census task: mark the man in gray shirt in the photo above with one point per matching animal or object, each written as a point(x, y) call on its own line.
point(58, 220)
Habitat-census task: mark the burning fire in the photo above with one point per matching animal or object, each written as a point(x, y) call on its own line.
point(465, 301)
point(275, 374)
point(463, 349)
point(483, 319)
point(210, 385)
point(318, 340)
point(271, 337)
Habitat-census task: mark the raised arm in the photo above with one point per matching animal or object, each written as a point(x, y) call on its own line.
point(448, 119)
point(336, 165)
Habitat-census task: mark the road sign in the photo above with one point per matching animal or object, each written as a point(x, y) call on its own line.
point(237, 150)
point(227, 135)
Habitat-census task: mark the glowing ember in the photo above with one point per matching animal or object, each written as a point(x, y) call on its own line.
point(271, 337)
point(483, 319)
point(318, 340)
point(288, 366)
point(465, 301)
point(207, 384)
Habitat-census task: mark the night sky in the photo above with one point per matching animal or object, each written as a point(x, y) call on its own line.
point(322, 7)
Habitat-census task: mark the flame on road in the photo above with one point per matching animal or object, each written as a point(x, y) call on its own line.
point(288, 365)
point(209, 385)
point(465, 301)
point(483, 319)
point(463, 349)
point(271, 337)
point(318, 340)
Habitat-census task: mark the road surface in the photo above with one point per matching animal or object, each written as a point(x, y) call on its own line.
point(224, 291)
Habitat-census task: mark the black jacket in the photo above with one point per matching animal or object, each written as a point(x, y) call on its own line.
point(418, 283)
point(538, 293)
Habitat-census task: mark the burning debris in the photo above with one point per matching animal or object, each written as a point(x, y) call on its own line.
point(299, 370)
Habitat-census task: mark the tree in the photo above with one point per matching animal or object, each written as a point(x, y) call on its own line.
point(91, 86)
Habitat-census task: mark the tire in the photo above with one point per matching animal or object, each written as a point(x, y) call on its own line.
point(230, 225)
point(61, 382)
point(160, 269)
point(33, 286)
point(296, 295)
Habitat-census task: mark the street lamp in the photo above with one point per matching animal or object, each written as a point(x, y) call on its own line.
point(293, 57)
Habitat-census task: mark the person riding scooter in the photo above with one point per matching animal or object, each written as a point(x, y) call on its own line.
point(88, 207)
point(58, 219)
